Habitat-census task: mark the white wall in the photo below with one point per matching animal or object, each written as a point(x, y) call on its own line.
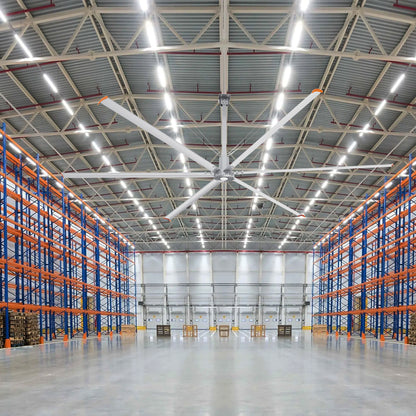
point(228, 283)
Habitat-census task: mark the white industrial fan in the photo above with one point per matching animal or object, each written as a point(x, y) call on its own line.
point(226, 171)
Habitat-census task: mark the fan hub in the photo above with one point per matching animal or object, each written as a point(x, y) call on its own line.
point(224, 175)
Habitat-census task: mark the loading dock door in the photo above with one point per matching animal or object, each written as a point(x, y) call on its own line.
point(270, 319)
point(246, 320)
point(153, 318)
point(177, 319)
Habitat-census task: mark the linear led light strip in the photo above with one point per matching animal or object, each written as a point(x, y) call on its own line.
point(169, 103)
point(65, 104)
point(284, 82)
point(352, 146)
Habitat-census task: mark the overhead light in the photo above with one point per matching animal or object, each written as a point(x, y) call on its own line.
point(197, 221)
point(174, 124)
point(151, 34)
point(168, 102)
point(297, 221)
point(260, 182)
point(144, 5)
point(51, 84)
point(397, 83)
point(82, 128)
point(190, 192)
point(136, 202)
point(223, 179)
point(269, 143)
point(279, 101)
point(364, 130)
point(342, 160)
point(185, 169)
point(30, 161)
point(154, 227)
point(307, 208)
point(352, 146)
point(141, 209)
point(23, 46)
point(145, 215)
point(106, 161)
point(324, 185)
point(15, 148)
point(274, 121)
point(318, 193)
point(3, 17)
point(389, 184)
point(380, 107)
point(179, 140)
point(123, 184)
point(188, 182)
point(286, 76)
point(182, 158)
point(334, 172)
point(96, 147)
point(297, 33)
point(250, 220)
point(194, 207)
point(304, 4)
point(162, 76)
point(150, 221)
point(248, 225)
point(67, 107)
point(265, 158)
point(293, 226)
point(130, 194)
point(199, 226)
point(312, 201)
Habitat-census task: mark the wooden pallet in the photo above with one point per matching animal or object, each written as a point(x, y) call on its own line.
point(284, 330)
point(258, 331)
point(190, 331)
point(224, 331)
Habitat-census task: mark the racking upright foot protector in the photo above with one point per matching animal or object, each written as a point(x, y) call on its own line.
point(365, 268)
point(57, 257)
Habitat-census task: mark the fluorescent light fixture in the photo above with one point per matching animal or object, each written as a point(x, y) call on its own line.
point(250, 220)
point(269, 143)
point(324, 185)
point(397, 83)
point(307, 208)
point(334, 172)
point(179, 140)
point(150, 221)
point(136, 202)
point(297, 221)
point(286, 76)
point(50, 83)
point(154, 227)
point(188, 182)
point(151, 34)
point(248, 225)
point(389, 184)
point(59, 185)
point(32, 162)
point(279, 101)
point(380, 107)
point(174, 124)
point(352, 146)
point(106, 161)
point(168, 101)
point(318, 193)
point(182, 157)
point(197, 220)
point(265, 158)
point(342, 160)
point(123, 184)
point(304, 4)
point(67, 107)
point(144, 5)
point(199, 226)
point(297, 33)
point(130, 193)
point(293, 226)
point(260, 182)
point(274, 121)
point(82, 128)
point(141, 209)
point(3, 17)
point(190, 192)
point(23, 46)
point(162, 76)
point(312, 201)
point(185, 169)
point(194, 207)
point(145, 215)
point(96, 147)
point(15, 148)
point(364, 130)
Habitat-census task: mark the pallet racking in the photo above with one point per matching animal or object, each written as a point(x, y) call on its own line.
point(57, 257)
point(364, 269)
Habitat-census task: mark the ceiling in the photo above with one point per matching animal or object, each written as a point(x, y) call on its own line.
point(353, 50)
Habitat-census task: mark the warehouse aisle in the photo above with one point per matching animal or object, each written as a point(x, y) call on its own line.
point(208, 376)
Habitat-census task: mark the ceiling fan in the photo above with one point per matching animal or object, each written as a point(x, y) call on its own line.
point(225, 171)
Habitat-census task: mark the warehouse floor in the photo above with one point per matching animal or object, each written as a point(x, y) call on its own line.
point(209, 376)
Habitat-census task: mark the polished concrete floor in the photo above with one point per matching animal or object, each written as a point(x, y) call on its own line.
point(209, 376)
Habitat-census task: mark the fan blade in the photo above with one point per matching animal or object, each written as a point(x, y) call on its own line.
point(301, 170)
point(192, 199)
point(276, 127)
point(224, 99)
point(262, 194)
point(137, 175)
point(117, 108)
